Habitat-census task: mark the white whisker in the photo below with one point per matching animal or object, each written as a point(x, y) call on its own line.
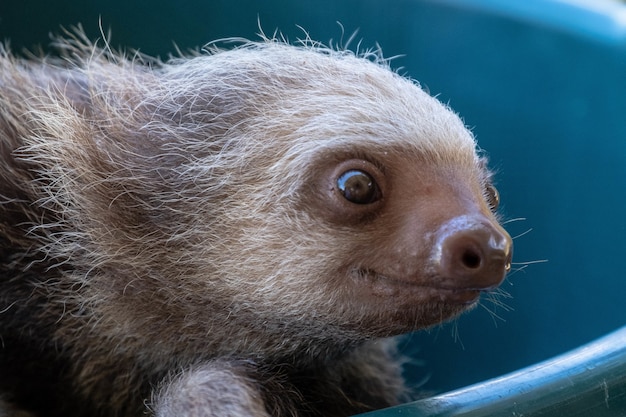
point(526, 263)
point(517, 219)
point(522, 234)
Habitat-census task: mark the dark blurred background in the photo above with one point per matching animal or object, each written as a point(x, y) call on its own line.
point(543, 86)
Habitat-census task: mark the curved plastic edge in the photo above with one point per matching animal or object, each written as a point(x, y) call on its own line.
point(587, 381)
point(598, 20)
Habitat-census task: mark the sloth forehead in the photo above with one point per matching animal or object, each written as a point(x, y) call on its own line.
point(320, 99)
point(300, 104)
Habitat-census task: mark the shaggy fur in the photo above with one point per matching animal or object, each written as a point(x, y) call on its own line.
point(172, 239)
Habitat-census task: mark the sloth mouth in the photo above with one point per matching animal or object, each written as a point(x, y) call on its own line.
point(382, 284)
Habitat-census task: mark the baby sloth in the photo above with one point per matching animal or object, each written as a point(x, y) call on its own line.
point(228, 234)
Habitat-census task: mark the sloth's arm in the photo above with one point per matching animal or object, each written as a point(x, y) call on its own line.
point(216, 389)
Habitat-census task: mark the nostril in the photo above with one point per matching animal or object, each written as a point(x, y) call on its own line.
point(470, 259)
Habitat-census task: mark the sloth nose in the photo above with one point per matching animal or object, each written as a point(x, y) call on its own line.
point(472, 252)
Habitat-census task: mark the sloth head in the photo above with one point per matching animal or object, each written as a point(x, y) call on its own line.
point(345, 194)
point(287, 186)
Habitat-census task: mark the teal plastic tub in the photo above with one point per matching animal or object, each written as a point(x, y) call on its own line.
point(587, 382)
point(543, 85)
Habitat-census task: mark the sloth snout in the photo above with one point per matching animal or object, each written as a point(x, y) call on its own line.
point(473, 252)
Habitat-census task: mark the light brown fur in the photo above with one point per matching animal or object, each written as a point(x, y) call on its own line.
point(172, 238)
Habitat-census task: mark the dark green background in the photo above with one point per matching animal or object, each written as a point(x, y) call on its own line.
point(544, 92)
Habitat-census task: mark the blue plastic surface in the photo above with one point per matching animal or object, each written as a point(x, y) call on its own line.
point(587, 382)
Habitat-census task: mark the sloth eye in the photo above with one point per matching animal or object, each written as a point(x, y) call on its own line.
point(493, 197)
point(358, 187)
